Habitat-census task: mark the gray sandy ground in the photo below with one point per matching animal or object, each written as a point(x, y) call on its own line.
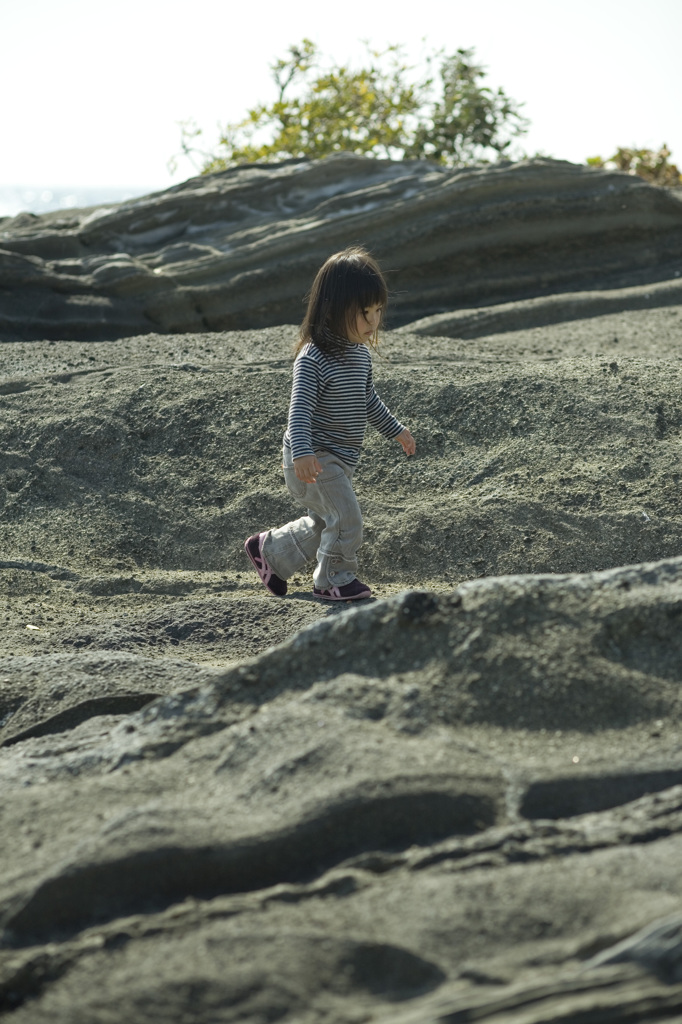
point(460, 801)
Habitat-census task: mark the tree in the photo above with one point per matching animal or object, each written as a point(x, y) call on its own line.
point(468, 119)
point(376, 110)
point(652, 165)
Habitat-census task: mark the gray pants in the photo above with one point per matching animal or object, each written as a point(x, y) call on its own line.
point(331, 533)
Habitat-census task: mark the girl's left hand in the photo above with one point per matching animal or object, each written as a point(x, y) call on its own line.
point(407, 441)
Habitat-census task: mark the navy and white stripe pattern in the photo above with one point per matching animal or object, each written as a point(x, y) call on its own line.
point(332, 398)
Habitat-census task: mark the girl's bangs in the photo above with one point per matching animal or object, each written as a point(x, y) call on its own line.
point(371, 291)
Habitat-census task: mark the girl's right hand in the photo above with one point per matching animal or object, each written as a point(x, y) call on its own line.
point(307, 468)
point(407, 441)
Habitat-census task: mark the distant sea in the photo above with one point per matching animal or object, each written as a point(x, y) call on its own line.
point(16, 199)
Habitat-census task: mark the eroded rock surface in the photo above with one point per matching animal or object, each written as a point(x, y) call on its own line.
point(239, 249)
point(408, 810)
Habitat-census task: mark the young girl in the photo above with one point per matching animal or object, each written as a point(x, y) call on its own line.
point(332, 399)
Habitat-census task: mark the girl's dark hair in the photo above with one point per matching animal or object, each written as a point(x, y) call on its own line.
point(346, 284)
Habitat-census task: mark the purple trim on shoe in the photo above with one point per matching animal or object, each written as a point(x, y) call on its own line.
point(268, 577)
point(353, 591)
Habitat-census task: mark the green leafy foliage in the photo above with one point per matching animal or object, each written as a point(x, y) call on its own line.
point(377, 110)
point(468, 118)
point(652, 165)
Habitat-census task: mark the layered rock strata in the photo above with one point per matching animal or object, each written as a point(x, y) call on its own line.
point(238, 249)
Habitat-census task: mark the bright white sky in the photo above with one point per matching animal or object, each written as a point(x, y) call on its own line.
point(93, 90)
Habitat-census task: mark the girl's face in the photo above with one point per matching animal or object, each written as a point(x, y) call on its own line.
point(366, 324)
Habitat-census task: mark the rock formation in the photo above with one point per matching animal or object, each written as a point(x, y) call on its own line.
point(238, 249)
point(437, 806)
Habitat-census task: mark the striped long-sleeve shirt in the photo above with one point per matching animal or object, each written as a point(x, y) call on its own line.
point(332, 398)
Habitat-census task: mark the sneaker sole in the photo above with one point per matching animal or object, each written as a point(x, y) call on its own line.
point(331, 596)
